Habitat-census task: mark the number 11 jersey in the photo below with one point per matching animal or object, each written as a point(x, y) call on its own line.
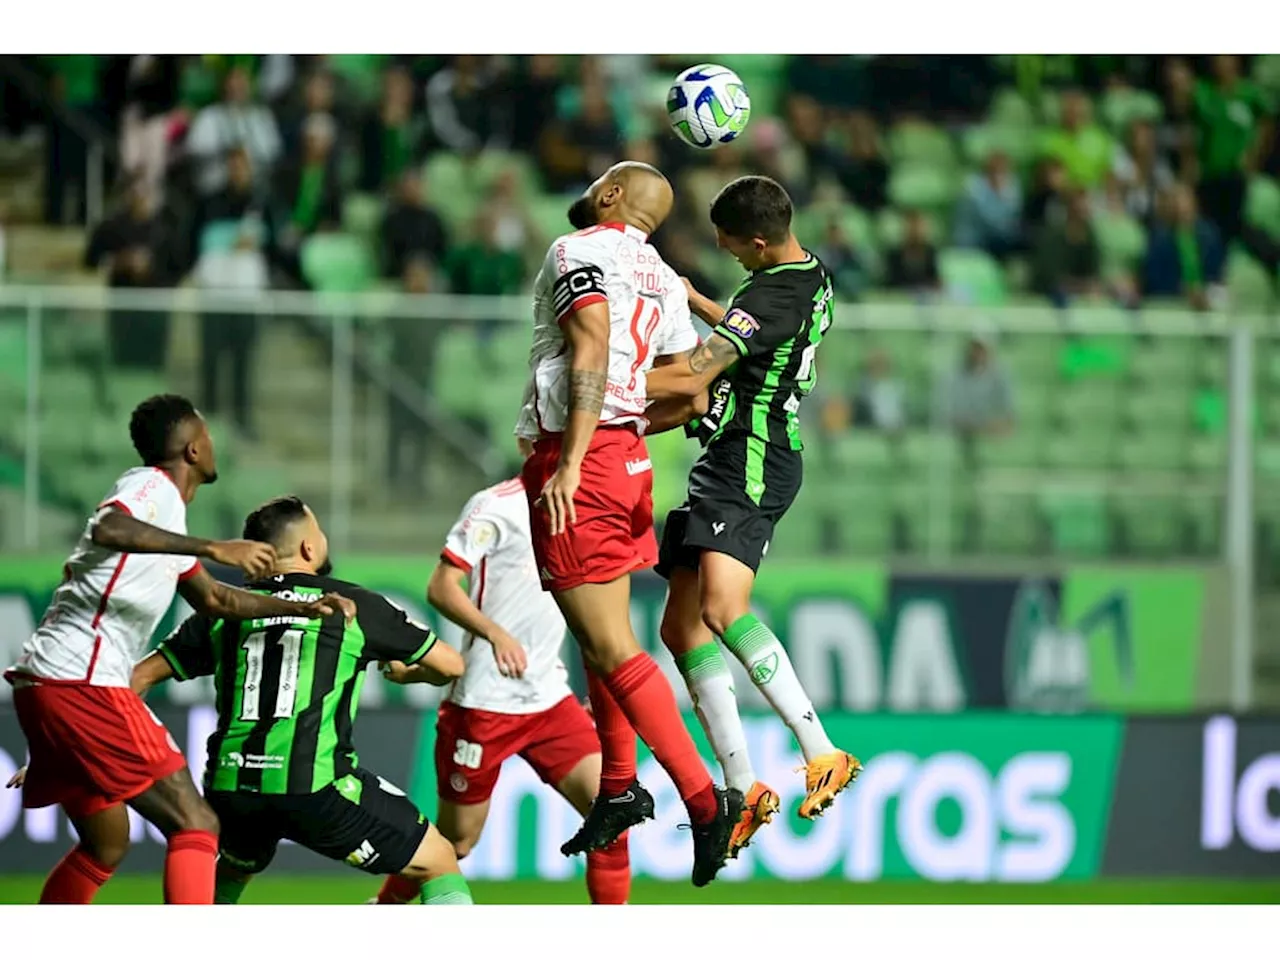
point(648, 318)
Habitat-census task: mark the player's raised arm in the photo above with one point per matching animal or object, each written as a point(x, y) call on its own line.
point(586, 332)
point(217, 599)
point(116, 529)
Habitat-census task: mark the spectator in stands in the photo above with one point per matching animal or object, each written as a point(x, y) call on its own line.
point(235, 231)
point(317, 98)
point(490, 264)
point(977, 399)
point(1234, 124)
point(466, 108)
point(411, 230)
point(1142, 172)
point(1176, 135)
point(847, 266)
point(578, 148)
point(679, 249)
point(1086, 150)
point(391, 135)
point(413, 340)
point(880, 400)
point(136, 251)
point(1065, 260)
point(863, 170)
point(913, 265)
point(989, 216)
point(236, 120)
point(533, 99)
point(773, 154)
point(512, 223)
point(151, 93)
point(1046, 202)
point(1185, 254)
point(75, 85)
point(309, 194)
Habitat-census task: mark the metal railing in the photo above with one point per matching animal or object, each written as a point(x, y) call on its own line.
point(54, 319)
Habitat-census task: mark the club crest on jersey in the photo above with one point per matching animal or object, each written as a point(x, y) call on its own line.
point(458, 782)
point(741, 323)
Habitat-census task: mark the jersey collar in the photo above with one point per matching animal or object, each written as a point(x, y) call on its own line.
point(633, 232)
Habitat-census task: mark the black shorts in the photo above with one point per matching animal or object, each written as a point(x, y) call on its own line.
point(738, 491)
point(361, 819)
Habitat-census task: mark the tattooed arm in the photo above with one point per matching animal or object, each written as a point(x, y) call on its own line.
point(115, 529)
point(691, 378)
point(217, 599)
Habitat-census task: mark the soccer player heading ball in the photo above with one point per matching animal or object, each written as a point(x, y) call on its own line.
point(607, 310)
point(757, 364)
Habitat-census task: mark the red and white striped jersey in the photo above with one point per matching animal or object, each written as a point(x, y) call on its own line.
point(491, 540)
point(109, 604)
point(648, 318)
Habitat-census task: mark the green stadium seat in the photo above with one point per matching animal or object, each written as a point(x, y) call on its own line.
point(1009, 108)
point(458, 369)
point(1081, 449)
point(812, 223)
point(1266, 73)
point(1207, 456)
point(1248, 286)
point(917, 143)
point(489, 165)
point(1203, 517)
point(1032, 357)
point(1262, 205)
point(448, 186)
point(1009, 526)
point(972, 276)
point(1095, 358)
point(1121, 243)
point(1267, 460)
point(1024, 448)
point(1078, 524)
point(1018, 143)
point(1089, 406)
point(1153, 450)
point(1149, 526)
point(930, 450)
point(863, 453)
point(127, 388)
point(918, 186)
point(1169, 409)
point(337, 263)
point(1164, 361)
point(549, 215)
point(362, 216)
point(1033, 403)
point(1123, 106)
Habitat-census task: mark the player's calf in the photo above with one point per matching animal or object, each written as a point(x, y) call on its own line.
point(435, 866)
point(191, 828)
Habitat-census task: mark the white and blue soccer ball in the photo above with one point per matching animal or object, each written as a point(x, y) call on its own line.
point(708, 106)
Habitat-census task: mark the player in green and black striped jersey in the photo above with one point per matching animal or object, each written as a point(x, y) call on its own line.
point(757, 365)
point(282, 763)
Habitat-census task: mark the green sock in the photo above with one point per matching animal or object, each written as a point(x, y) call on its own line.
point(449, 889)
point(228, 890)
point(770, 669)
point(706, 674)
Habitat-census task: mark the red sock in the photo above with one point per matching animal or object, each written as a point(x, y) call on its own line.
point(644, 695)
point(609, 873)
point(76, 879)
point(617, 739)
point(399, 890)
point(189, 867)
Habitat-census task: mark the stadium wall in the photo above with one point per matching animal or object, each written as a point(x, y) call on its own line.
point(985, 796)
point(871, 637)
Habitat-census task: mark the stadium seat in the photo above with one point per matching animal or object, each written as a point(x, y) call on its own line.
point(1081, 449)
point(972, 276)
point(1149, 526)
point(337, 263)
point(1248, 286)
point(489, 165)
point(1018, 143)
point(1121, 243)
point(1266, 73)
point(919, 186)
point(1262, 205)
point(1010, 109)
point(1008, 526)
point(447, 186)
point(1202, 515)
point(1024, 448)
point(458, 369)
point(916, 143)
point(812, 223)
point(1123, 106)
point(362, 216)
point(549, 215)
point(1150, 450)
point(1078, 523)
point(1095, 357)
point(1206, 456)
point(1164, 361)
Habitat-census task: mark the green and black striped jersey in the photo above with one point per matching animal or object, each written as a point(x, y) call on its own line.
point(776, 320)
point(287, 688)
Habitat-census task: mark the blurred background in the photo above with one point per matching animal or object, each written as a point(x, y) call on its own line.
point(1041, 456)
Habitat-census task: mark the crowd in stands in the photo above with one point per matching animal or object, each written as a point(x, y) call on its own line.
point(1064, 179)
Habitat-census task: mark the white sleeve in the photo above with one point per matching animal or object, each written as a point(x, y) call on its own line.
point(579, 278)
point(678, 334)
point(150, 496)
point(476, 535)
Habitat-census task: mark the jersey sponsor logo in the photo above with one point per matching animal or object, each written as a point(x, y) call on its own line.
point(575, 284)
point(252, 761)
point(640, 465)
point(740, 322)
point(363, 855)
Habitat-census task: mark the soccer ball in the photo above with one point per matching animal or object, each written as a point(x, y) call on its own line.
point(708, 105)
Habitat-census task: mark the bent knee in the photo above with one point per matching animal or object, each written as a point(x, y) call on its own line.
point(719, 614)
point(464, 846)
point(109, 855)
point(199, 816)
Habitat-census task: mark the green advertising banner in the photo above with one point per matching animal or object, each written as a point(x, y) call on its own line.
point(870, 637)
point(978, 797)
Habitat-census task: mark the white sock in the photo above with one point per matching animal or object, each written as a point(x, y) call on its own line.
point(710, 684)
point(770, 670)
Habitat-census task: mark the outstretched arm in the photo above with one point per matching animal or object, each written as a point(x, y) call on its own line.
point(692, 376)
point(445, 593)
point(218, 599)
point(116, 529)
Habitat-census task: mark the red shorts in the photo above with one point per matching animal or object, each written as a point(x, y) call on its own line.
point(91, 747)
point(472, 744)
point(614, 504)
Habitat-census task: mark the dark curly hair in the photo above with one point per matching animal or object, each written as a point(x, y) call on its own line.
point(155, 423)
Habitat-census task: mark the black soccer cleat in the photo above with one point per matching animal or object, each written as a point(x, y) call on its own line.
point(711, 840)
point(609, 818)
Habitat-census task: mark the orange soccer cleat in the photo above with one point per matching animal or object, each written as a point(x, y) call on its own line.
point(762, 803)
point(825, 777)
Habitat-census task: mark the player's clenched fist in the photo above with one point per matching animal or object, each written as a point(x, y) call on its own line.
point(257, 560)
point(557, 497)
point(508, 653)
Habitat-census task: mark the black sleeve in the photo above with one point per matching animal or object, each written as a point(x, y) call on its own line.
point(189, 649)
point(761, 318)
point(389, 634)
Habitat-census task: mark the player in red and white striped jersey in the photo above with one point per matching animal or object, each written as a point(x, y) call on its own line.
point(94, 745)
